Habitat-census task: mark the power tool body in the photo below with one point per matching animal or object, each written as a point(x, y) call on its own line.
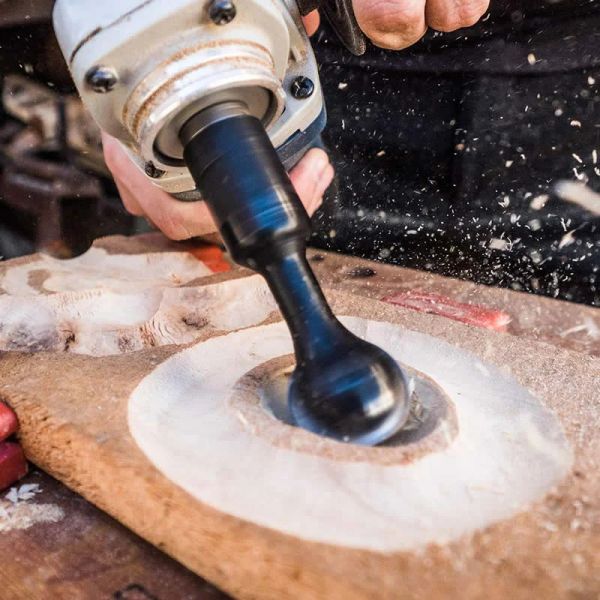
point(213, 100)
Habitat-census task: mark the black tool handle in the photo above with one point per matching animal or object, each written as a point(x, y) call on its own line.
point(340, 14)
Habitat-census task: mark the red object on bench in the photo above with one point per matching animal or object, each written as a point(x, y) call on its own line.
point(212, 256)
point(471, 314)
point(8, 422)
point(13, 465)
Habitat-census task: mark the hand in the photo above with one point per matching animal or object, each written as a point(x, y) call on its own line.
point(13, 465)
point(183, 220)
point(397, 24)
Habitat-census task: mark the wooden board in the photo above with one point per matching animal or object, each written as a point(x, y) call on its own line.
point(77, 429)
point(133, 564)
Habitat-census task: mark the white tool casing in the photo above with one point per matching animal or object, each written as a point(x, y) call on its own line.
point(171, 61)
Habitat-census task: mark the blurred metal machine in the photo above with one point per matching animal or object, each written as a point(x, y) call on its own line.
point(55, 193)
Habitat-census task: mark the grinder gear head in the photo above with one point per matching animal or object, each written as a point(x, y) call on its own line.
point(144, 69)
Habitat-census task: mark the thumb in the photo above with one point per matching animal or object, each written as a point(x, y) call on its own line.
point(392, 24)
point(311, 177)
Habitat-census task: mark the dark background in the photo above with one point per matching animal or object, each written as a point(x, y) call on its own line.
point(439, 149)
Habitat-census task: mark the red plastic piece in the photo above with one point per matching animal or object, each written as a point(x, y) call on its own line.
point(13, 465)
point(213, 257)
point(8, 422)
point(471, 314)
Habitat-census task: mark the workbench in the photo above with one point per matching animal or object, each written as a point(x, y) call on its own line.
point(89, 555)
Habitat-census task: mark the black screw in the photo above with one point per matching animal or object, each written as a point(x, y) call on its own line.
point(222, 12)
point(153, 171)
point(101, 79)
point(302, 88)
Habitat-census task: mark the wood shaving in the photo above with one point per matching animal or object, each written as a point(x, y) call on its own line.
point(23, 493)
point(23, 515)
point(579, 194)
point(539, 202)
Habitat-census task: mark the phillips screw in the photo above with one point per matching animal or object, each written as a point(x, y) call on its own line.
point(153, 171)
point(302, 88)
point(101, 79)
point(222, 12)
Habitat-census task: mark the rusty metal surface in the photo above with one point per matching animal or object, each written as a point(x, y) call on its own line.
point(59, 121)
point(52, 193)
point(56, 199)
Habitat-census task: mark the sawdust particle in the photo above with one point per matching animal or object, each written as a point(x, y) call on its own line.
point(23, 515)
